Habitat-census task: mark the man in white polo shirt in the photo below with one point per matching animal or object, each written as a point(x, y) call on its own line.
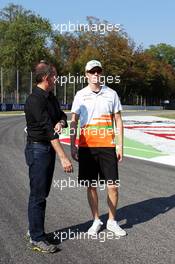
point(98, 108)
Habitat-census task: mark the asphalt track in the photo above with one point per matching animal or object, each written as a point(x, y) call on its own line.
point(146, 211)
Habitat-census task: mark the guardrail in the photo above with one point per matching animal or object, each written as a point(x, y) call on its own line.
point(20, 107)
point(11, 107)
point(141, 107)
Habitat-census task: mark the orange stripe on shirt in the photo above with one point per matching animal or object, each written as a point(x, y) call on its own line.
point(99, 124)
point(102, 118)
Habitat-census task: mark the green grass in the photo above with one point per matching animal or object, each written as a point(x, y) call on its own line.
point(11, 113)
point(171, 116)
point(135, 148)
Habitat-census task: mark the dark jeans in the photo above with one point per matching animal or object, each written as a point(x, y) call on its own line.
point(41, 161)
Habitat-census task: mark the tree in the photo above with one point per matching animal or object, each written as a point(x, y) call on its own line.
point(163, 52)
point(24, 37)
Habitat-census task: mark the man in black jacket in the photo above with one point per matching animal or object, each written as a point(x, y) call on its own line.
point(44, 122)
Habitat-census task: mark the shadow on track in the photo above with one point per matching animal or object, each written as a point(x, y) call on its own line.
point(133, 214)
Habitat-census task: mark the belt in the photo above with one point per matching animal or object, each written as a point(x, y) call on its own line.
point(38, 142)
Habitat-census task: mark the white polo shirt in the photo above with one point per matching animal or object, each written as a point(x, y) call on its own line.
point(96, 111)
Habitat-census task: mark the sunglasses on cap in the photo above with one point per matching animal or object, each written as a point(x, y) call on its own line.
point(95, 70)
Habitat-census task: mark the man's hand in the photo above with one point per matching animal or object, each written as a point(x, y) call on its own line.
point(120, 154)
point(58, 128)
point(119, 126)
point(74, 152)
point(66, 164)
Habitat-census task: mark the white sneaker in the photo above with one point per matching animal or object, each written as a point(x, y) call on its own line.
point(113, 226)
point(93, 230)
point(28, 234)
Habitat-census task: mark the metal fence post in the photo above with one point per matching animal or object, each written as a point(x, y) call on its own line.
point(2, 88)
point(17, 86)
point(31, 78)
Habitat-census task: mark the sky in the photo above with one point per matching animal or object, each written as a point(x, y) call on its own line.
point(147, 22)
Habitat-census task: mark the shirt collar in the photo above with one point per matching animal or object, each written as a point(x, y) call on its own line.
point(40, 91)
point(100, 92)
